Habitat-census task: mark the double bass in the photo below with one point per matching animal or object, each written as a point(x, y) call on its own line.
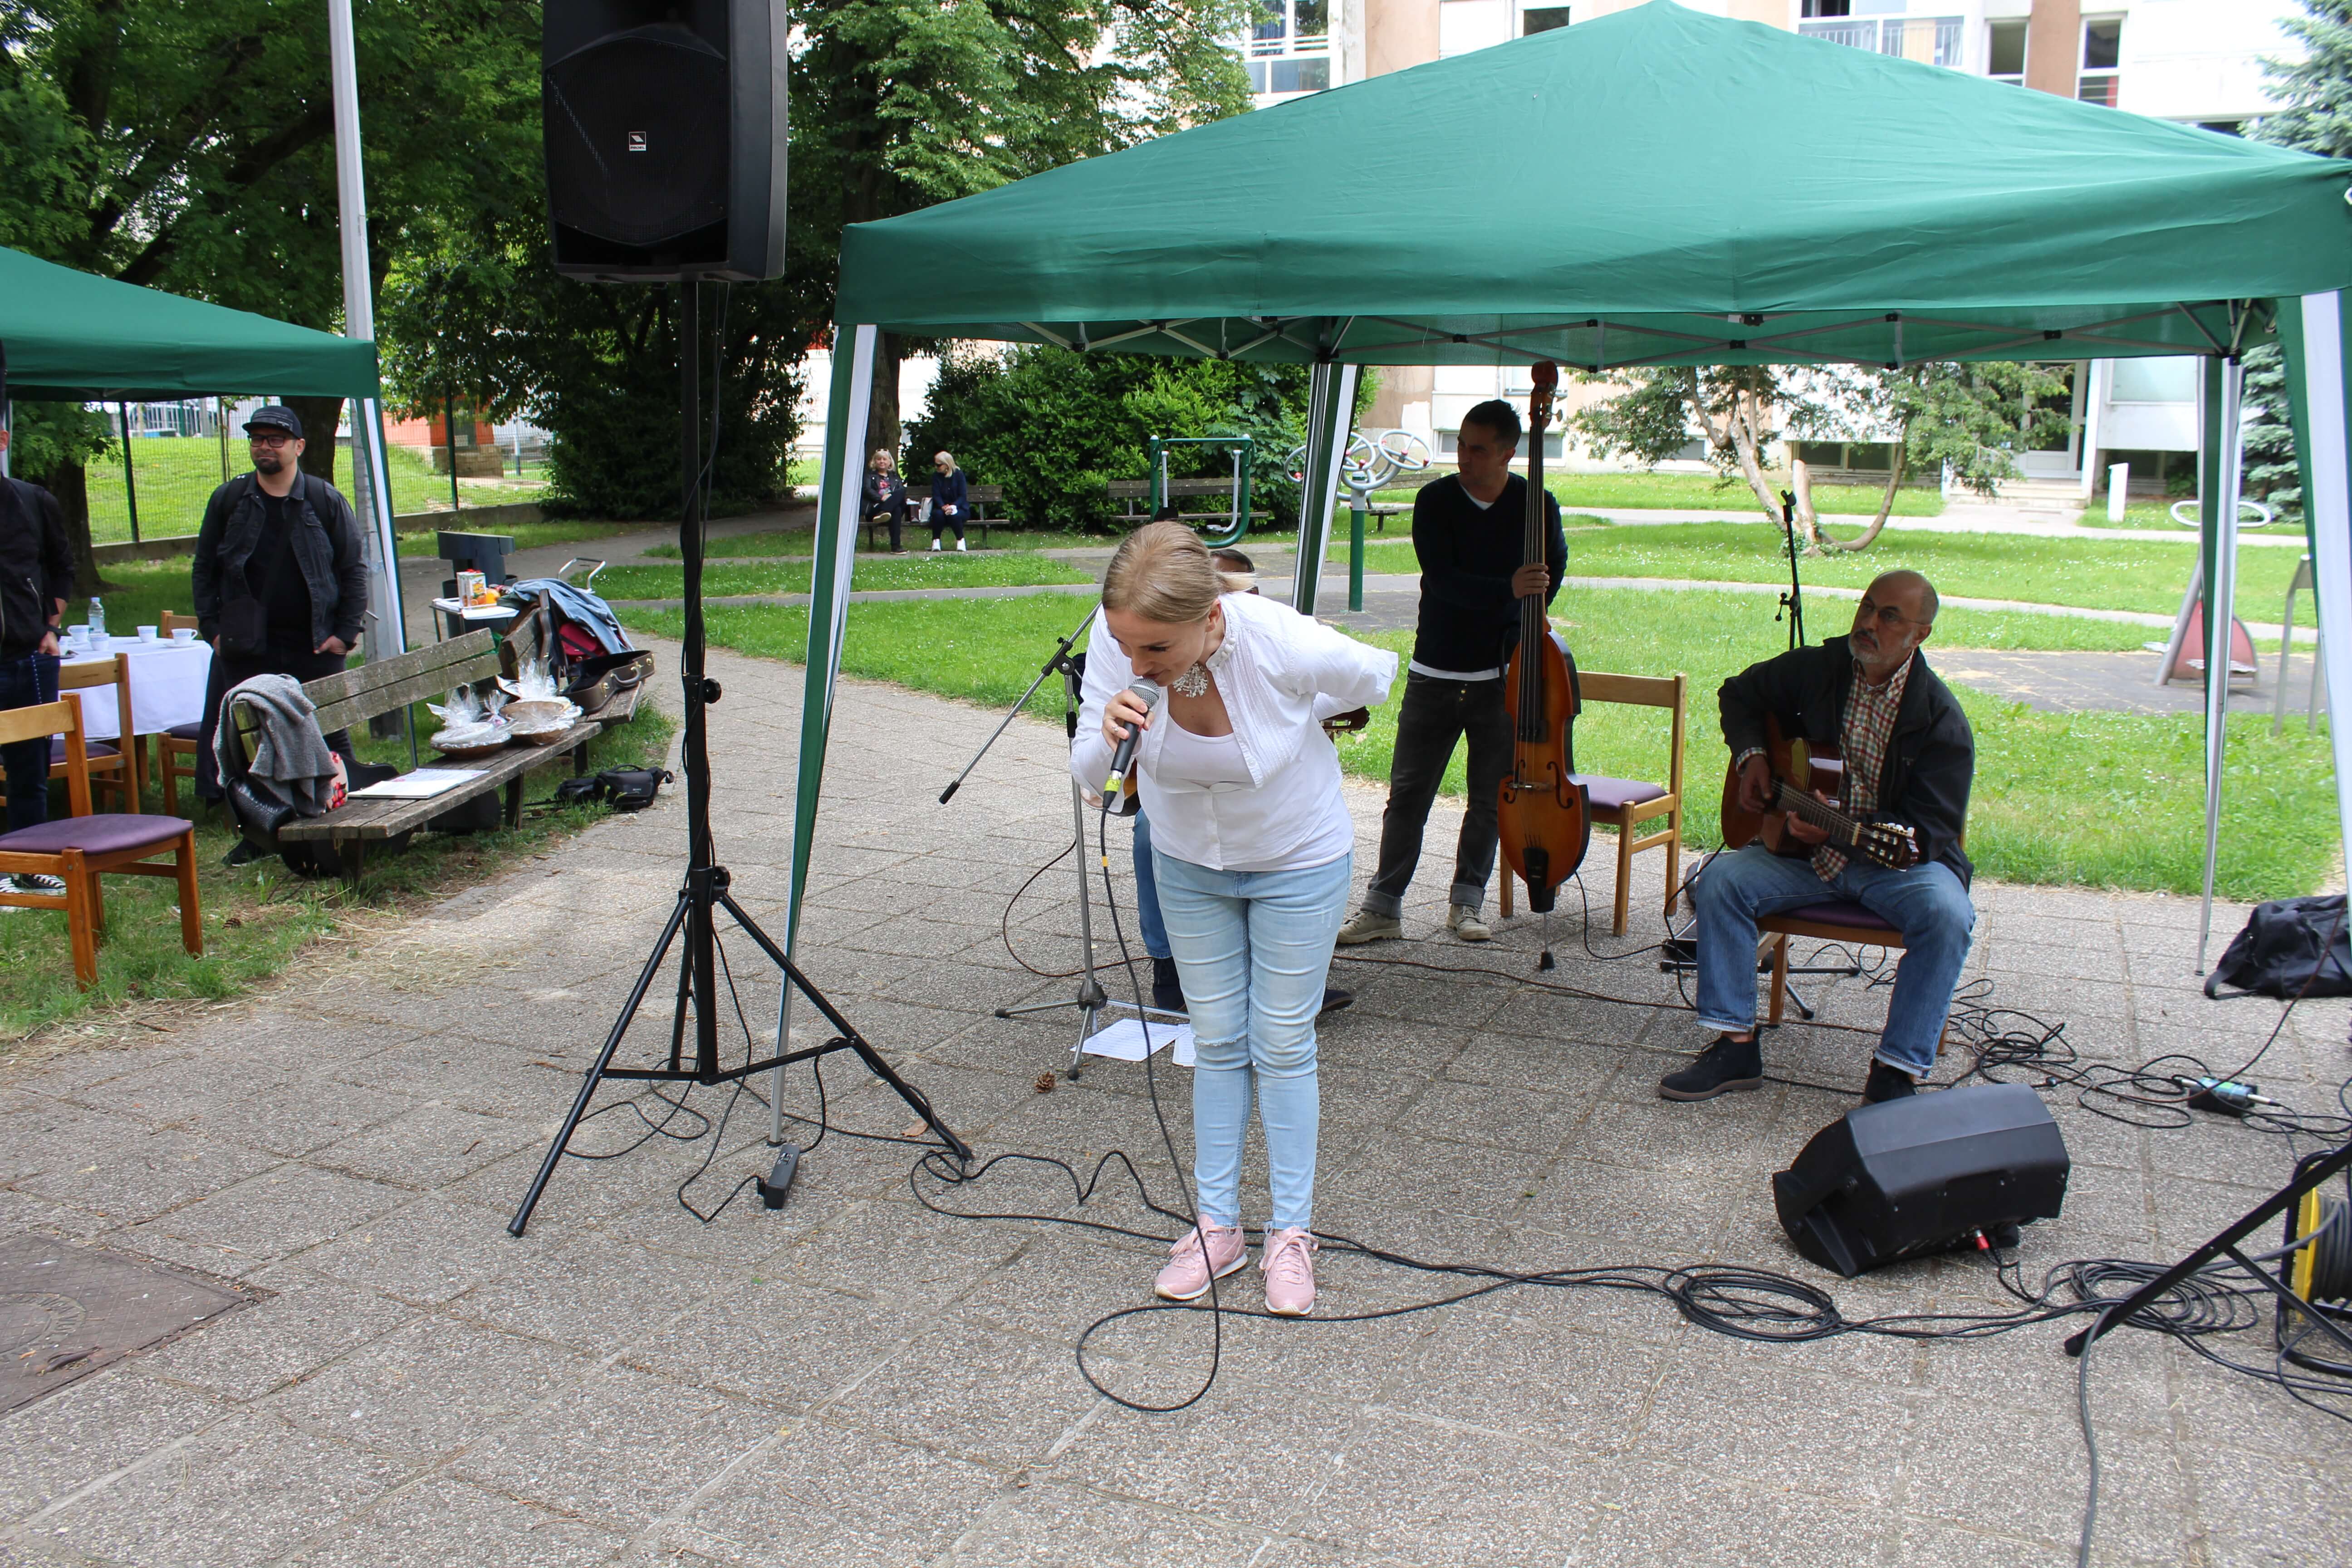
point(1546, 815)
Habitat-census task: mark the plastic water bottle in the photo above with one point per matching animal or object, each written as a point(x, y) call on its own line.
point(96, 621)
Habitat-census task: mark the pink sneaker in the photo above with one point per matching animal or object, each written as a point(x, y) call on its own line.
point(1187, 1276)
point(1288, 1264)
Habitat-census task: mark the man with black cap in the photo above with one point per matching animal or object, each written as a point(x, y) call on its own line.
point(280, 578)
point(35, 580)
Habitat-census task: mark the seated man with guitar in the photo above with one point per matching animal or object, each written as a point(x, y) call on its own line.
point(1888, 841)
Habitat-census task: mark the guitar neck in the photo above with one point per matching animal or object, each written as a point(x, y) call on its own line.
point(1845, 830)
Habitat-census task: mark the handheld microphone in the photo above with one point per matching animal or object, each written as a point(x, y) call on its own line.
point(1147, 692)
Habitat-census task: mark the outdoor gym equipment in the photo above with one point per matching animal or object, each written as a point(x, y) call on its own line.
point(2185, 651)
point(1242, 449)
point(1370, 461)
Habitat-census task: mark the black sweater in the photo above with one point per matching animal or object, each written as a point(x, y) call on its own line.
point(1469, 619)
point(1930, 762)
point(35, 564)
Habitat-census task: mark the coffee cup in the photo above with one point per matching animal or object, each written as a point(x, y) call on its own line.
point(147, 634)
point(183, 635)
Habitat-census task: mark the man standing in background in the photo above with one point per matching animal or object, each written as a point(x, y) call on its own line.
point(35, 580)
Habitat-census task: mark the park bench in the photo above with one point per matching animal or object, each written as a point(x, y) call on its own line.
point(352, 697)
point(980, 496)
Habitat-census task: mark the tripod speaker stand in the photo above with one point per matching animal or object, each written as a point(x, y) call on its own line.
point(1091, 1001)
point(704, 891)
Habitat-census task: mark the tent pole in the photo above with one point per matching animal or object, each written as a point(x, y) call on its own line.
point(2314, 332)
point(130, 484)
point(2221, 585)
point(1331, 415)
point(836, 552)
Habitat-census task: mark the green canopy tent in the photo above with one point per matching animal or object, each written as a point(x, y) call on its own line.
point(69, 336)
point(1655, 187)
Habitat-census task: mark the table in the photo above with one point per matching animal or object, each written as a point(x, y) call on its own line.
point(458, 617)
point(167, 687)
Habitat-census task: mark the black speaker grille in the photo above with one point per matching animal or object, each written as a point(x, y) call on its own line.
point(637, 137)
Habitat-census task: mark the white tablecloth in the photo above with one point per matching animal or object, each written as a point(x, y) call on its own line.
point(167, 688)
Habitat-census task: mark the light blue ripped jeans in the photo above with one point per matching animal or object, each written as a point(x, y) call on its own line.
point(1254, 949)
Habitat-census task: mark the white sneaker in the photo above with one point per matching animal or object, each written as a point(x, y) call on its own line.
point(935, 545)
point(33, 883)
point(1366, 926)
point(1464, 922)
point(958, 544)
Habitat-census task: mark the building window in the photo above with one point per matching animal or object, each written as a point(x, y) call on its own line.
point(2005, 58)
point(2103, 47)
point(1829, 8)
point(1289, 47)
point(1542, 19)
point(1931, 41)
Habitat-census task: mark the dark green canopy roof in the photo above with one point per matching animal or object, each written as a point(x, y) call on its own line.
point(70, 335)
point(1657, 186)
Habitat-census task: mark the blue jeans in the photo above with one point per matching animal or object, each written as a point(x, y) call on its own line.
point(1146, 892)
point(1252, 949)
point(27, 680)
point(1927, 904)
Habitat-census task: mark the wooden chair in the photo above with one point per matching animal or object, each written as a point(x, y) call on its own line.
point(1831, 919)
point(1626, 804)
point(175, 748)
point(80, 848)
point(113, 764)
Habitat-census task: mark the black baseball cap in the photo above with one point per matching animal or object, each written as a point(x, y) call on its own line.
point(275, 416)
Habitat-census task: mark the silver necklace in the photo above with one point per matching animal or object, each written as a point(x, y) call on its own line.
point(1193, 682)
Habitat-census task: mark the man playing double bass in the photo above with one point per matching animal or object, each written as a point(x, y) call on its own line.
point(1909, 758)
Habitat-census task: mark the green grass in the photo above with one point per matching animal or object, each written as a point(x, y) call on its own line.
point(2126, 574)
point(2102, 799)
point(1008, 570)
point(177, 475)
point(796, 542)
point(1705, 492)
point(258, 917)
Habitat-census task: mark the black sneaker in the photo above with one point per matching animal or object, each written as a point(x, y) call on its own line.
point(1724, 1067)
point(1167, 994)
point(1335, 1000)
point(1887, 1083)
point(244, 852)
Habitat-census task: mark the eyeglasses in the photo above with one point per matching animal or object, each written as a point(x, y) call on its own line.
point(1887, 615)
point(273, 440)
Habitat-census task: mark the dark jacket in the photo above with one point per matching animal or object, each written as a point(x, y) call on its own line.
point(1930, 761)
point(36, 565)
point(1469, 618)
point(326, 538)
point(948, 490)
point(886, 494)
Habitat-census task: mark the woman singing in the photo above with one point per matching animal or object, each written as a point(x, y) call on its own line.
point(1251, 850)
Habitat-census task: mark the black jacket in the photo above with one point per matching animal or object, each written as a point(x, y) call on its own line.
point(1469, 619)
point(881, 501)
point(36, 565)
point(1930, 761)
point(326, 538)
point(948, 490)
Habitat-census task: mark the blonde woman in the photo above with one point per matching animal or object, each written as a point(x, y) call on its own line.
point(1252, 848)
point(886, 496)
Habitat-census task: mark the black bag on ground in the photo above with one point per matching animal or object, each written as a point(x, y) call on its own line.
point(622, 789)
point(2283, 945)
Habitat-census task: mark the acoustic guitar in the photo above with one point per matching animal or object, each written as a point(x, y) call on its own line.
point(1799, 768)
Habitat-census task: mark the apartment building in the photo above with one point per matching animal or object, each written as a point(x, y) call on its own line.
point(2197, 61)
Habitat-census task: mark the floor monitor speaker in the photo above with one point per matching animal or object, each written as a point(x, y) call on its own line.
point(664, 127)
point(1922, 1175)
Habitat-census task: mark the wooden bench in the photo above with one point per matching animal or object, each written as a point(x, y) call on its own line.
point(980, 496)
point(350, 697)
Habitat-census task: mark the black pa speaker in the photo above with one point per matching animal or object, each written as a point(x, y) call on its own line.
point(1911, 1176)
point(664, 132)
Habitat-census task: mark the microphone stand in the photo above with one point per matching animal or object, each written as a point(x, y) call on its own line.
point(1091, 999)
point(1792, 604)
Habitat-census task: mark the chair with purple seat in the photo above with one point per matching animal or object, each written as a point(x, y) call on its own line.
point(1626, 804)
point(80, 848)
point(1833, 920)
point(175, 748)
point(113, 764)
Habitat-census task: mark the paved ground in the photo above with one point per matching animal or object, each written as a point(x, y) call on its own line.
point(856, 1380)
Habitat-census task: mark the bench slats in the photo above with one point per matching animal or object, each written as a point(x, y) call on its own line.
point(367, 820)
point(350, 697)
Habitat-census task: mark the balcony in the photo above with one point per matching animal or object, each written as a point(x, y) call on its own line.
point(1931, 41)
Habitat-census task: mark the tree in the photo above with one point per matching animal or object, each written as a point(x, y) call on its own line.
point(900, 104)
point(190, 146)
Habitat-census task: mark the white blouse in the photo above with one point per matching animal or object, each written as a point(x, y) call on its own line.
point(1280, 673)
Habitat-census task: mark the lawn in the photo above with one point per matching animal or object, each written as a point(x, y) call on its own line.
point(177, 475)
point(2125, 574)
point(1006, 569)
point(258, 917)
point(2109, 800)
point(795, 544)
point(1705, 492)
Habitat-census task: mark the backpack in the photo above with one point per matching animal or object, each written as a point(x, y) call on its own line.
point(624, 789)
point(2291, 948)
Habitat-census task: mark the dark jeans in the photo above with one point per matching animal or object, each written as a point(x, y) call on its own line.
point(228, 673)
point(893, 518)
point(1435, 715)
point(938, 522)
point(27, 680)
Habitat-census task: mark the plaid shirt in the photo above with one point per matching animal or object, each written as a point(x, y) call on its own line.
point(1870, 713)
